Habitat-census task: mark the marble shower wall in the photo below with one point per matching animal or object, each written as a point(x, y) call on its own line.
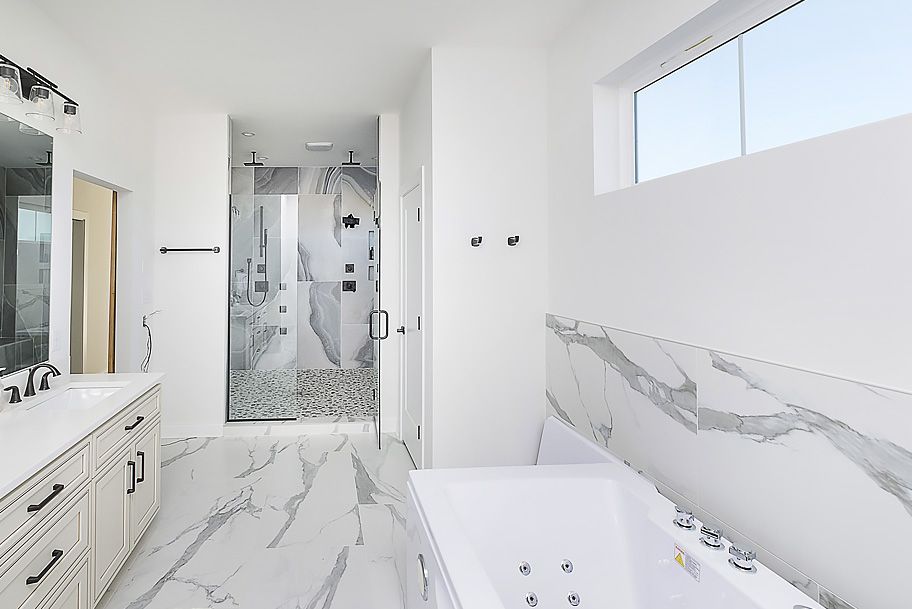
point(815, 472)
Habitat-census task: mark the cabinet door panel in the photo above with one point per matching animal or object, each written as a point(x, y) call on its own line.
point(147, 498)
point(112, 519)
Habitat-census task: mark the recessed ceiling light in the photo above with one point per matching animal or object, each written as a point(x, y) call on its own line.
point(319, 146)
point(262, 158)
point(248, 133)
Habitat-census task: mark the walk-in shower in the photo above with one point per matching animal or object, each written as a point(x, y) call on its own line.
point(304, 282)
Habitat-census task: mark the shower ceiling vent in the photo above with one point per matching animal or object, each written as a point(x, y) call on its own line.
point(319, 146)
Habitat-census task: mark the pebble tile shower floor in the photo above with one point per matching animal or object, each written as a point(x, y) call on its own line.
point(335, 394)
point(273, 523)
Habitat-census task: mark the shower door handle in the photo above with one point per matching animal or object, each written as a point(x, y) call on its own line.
point(386, 324)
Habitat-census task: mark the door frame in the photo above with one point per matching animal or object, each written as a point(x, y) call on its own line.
point(421, 460)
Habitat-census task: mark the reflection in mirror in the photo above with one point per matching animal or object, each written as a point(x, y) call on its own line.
point(25, 245)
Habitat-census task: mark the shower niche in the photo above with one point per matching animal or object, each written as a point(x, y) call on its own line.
point(303, 282)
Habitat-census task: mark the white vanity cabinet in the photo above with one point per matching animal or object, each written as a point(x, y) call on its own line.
point(67, 530)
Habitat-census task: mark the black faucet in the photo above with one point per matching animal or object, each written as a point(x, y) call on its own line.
point(30, 385)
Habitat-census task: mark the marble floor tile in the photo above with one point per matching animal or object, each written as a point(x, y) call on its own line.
point(272, 523)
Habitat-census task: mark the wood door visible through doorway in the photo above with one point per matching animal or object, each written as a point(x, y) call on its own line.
point(414, 431)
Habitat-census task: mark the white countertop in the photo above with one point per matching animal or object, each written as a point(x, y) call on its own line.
point(34, 433)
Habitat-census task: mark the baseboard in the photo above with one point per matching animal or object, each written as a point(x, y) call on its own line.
point(211, 430)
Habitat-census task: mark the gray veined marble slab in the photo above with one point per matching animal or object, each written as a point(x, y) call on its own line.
point(271, 523)
point(357, 346)
point(320, 180)
point(805, 451)
point(319, 245)
point(633, 394)
point(319, 324)
point(28, 181)
point(359, 188)
point(242, 180)
point(275, 180)
point(816, 470)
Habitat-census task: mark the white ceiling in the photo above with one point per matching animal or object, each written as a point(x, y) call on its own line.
point(294, 70)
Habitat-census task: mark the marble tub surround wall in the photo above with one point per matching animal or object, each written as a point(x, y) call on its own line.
point(814, 471)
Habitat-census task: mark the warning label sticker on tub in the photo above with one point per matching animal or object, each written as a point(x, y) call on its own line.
point(687, 562)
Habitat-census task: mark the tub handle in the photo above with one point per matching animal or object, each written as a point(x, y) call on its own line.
point(423, 577)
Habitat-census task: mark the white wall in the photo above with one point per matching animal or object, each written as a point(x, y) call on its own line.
point(390, 285)
point(94, 204)
point(114, 149)
point(489, 179)
point(415, 150)
point(789, 255)
point(190, 176)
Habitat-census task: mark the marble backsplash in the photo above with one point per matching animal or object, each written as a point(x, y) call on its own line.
point(815, 472)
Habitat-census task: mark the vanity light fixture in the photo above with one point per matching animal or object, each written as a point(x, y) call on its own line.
point(42, 103)
point(16, 81)
point(10, 84)
point(70, 123)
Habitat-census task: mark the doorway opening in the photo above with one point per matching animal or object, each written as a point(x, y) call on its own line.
point(94, 270)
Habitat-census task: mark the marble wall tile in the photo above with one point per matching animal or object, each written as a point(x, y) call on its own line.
point(798, 452)
point(319, 238)
point(275, 180)
point(633, 394)
point(357, 346)
point(319, 325)
point(242, 180)
point(320, 180)
point(360, 183)
point(814, 471)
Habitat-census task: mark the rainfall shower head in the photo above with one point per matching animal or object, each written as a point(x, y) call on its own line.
point(253, 161)
point(351, 162)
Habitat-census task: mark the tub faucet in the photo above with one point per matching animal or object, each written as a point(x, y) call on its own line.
point(684, 518)
point(710, 537)
point(30, 385)
point(743, 560)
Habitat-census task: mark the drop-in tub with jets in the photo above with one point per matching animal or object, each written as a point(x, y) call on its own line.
point(578, 535)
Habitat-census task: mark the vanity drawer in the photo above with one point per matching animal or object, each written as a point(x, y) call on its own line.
point(28, 506)
point(113, 436)
point(47, 558)
point(73, 594)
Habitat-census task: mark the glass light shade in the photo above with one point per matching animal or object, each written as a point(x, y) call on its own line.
point(70, 123)
point(25, 129)
point(42, 103)
point(10, 84)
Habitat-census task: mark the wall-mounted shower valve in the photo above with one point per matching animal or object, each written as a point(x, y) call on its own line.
point(511, 241)
point(525, 568)
point(684, 518)
point(531, 599)
point(475, 241)
point(566, 566)
point(574, 599)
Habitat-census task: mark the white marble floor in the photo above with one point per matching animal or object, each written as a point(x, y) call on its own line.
point(309, 522)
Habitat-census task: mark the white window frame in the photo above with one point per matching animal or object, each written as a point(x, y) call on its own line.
point(737, 18)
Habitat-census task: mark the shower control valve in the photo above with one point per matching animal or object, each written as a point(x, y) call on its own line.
point(684, 518)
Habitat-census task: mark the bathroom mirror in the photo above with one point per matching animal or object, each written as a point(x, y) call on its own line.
point(25, 244)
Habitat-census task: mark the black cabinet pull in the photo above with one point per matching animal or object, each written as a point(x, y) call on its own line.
point(142, 466)
point(58, 488)
point(134, 425)
point(132, 466)
point(34, 579)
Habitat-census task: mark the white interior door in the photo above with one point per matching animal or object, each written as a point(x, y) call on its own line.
point(413, 420)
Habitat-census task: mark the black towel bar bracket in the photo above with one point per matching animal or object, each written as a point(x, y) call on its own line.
point(214, 250)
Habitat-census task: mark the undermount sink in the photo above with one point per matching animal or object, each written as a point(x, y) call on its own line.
point(81, 397)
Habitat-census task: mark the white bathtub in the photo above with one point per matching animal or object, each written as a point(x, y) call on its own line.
point(469, 531)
